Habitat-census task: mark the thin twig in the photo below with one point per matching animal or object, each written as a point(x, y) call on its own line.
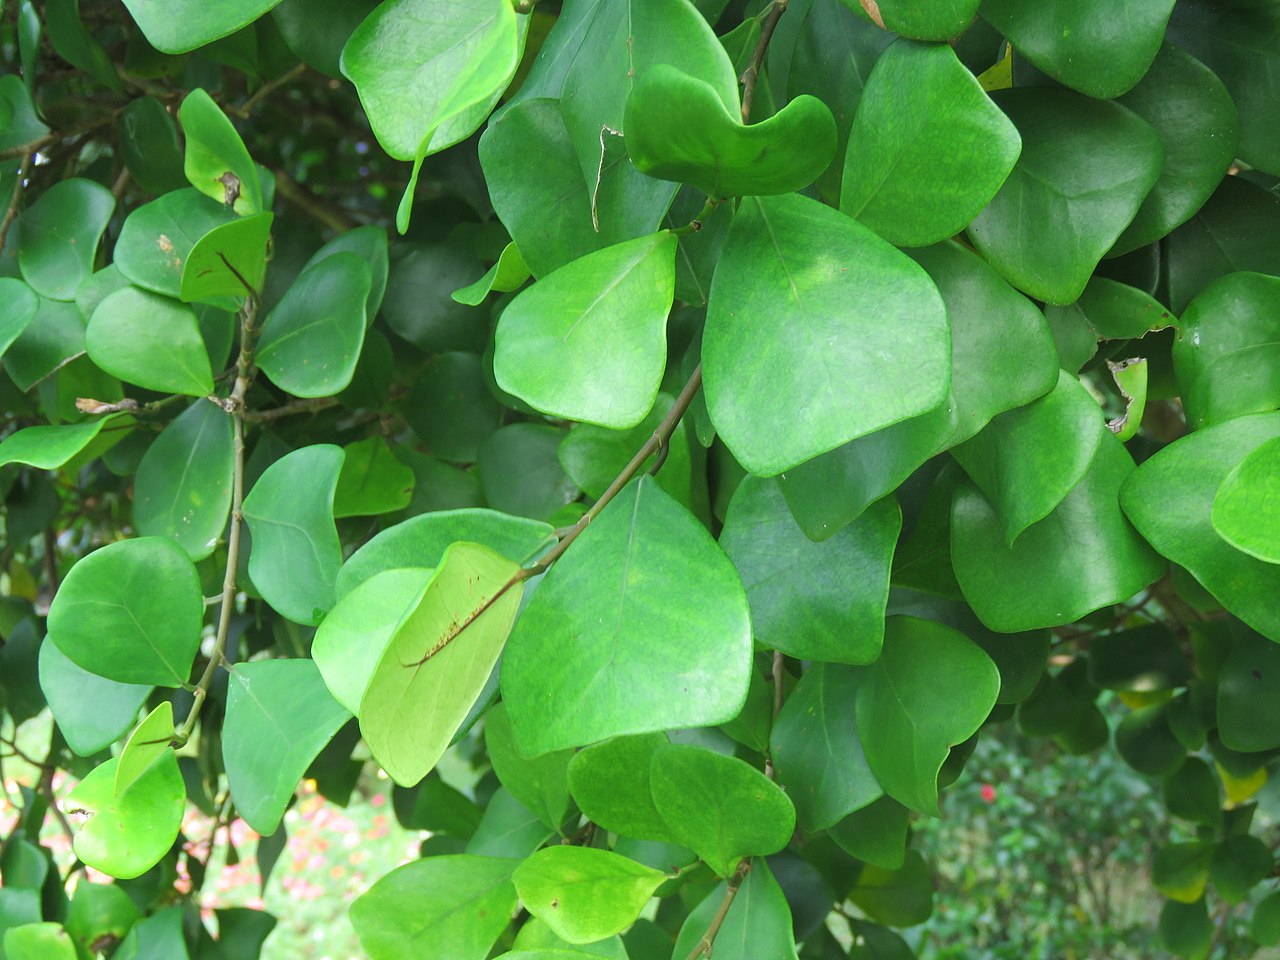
point(752, 73)
point(311, 405)
point(11, 214)
point(292, 192)
point(708, 939)
point(266, 89)
point(32, 147)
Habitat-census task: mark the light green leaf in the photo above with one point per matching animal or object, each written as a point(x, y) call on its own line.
point(279, 717)
point(930, 690)
point(355, 633)
point(1082, 556)
point(601, 648)
point(438, 660)
point(372, 481)
point(176, 26)
point(928, 148)
point(509, 273)
point(1108, 310)
point(48, 448)
point(811, 320)
point(1170, 500)
point(38, 941)
point(91, 711)
point(812, 601)
point(584, 894)
point(537, 941)
point(815, 746)
point(1246, 507)
point(18, 306)
point(125, 836)
point(757, 925)
point(150, 740)
point(216, 162)
point(295, 556)
point(508, 829)
point(610, 784)
point(1067, 40)
point(228, 261)
point(182, 488)
point(151, 341)
point(588, 341)
point(540, 783)
point(157, 238)
point(721, 808)
point(1085, 168)
point(422, 541)
point(60, 234)
point(312, 338)
point(460, 904)
point(131, 612)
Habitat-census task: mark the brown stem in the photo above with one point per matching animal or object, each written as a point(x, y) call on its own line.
point(752, 73)
point(708, 939)
point(292, 192)
point(11, 214)
point(312, 405)
point(267, 89)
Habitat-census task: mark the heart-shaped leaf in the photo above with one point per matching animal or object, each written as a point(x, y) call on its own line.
point(679, 129)
point(588, 341)
point(1085, 168)
point(150, 340)
point(438, 660)
point(930, 690)
point(228, 261)
point(812, 601)
point(610, 784)
point(584, 894)
point(157, 238)
point(60, 234)
point(811, 320)
point(182, 489)
point(127, 835)
point(131, 611)
point(922, 110)
point(721, 808)
point(279, 717)
point(295, 555)
point(608, 626)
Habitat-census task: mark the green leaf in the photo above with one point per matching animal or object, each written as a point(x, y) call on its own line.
point(815, 746)
point(584, 894)
point(1082, 556)
point(1146, 742)
point(151, 341)
point(48, 448)
point(876, 834)
point(1170, 500)
point(931, 20)
point(1228, 349)
point(438, 660)
point(279, 717)
point(930, 690)
point(147, 137)
point(451, 407)
point(812, 601)
point(157, 238)
point(520, 471)
point(18, 306)
point(588, 341)
point(600, 649)
point(1028, 460)
point(228, 261)
point(1108, 310)
point(1247, 687)
point(24, 125)
point(91, 711)
point(182, 488)
point(758, 923)
point(316, 30)
point(38, 941)
point(296, 554)
point(150, 740)
point(679, 129)
point(508, 829)
point(1192, 793)
point(418, 307)
point(312, 338)
point(1196, 119)
point(874, 942)
point(355, 633)
point(537, 941)
point(460, 904)
point(923, 111)
point(369, 242)
point(160, 936)
point(176, 26)
point(216, 162)
point(1244, 512)
point(99, 912)
point(721, 808)
point(60, 234)
point(1238, 865)
point(803, 293)
point(610, 784)
point(1264, 924)
point(1239, 44)
point(53, 339)
point(1067, 40)
point(1181, 870)
point(509, 273)
point(899, 898)
point(1085, 168)
point(126, 835)
point(131, 612)
point(372, 481)
point(422, 540)
point(1141, 660)
point(428, 81)
point(540, 783)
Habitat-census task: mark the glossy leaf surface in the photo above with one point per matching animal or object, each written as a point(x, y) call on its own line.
point(584, 894)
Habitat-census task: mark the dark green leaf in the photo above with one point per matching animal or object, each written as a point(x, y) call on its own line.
point(610, 784)
point(317, 30)
point(540, 783)
point(1181, 870)
point(521, 473)
point(1146, 743)
point(148, 139)
point(876, 834)
point(1238, 865)
point(508, 829)
point(899, 898)
point(60, 234)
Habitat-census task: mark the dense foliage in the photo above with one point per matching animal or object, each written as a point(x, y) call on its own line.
point(727, 421)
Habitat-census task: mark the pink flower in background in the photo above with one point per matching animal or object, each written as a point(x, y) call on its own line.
point(988, 793)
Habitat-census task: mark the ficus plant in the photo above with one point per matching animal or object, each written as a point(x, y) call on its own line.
point(695, 421)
